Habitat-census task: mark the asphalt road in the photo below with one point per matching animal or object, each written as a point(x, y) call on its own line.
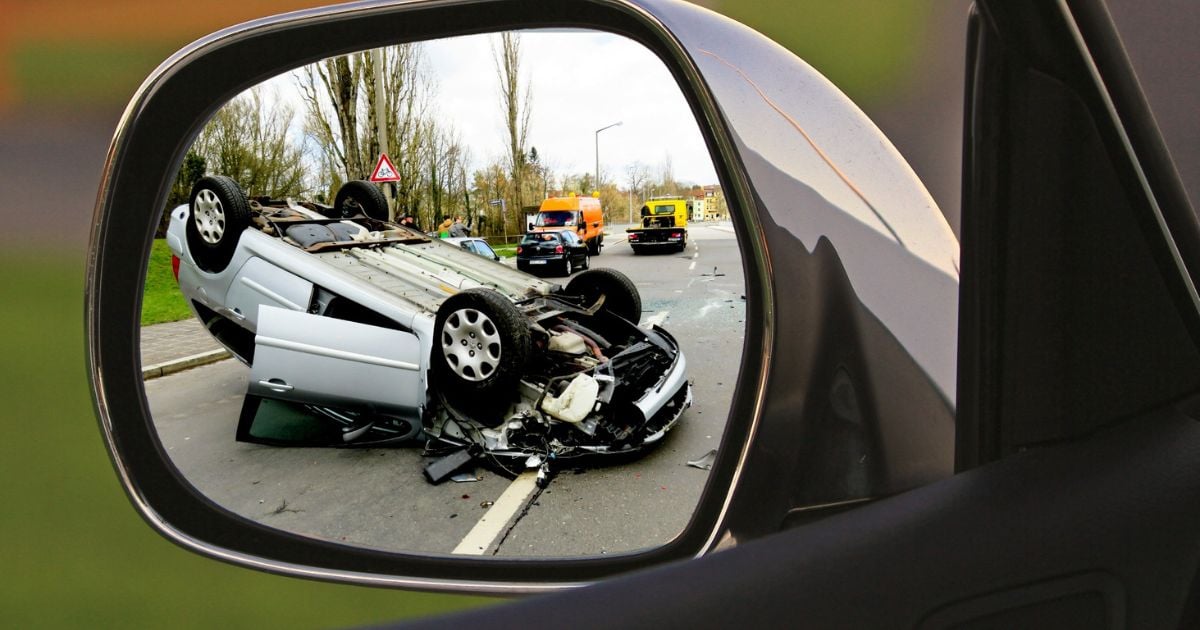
point(379, 498)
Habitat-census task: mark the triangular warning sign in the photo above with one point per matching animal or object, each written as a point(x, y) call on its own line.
point(385, 171)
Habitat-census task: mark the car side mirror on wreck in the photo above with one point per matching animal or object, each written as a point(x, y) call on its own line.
point(349, 389)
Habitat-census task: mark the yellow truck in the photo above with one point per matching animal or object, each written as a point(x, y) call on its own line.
point(664, 226)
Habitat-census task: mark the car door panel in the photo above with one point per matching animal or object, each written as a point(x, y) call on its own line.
point(324, 361)
point(260, 282)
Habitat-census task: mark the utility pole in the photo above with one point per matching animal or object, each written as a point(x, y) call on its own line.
point(381, 124)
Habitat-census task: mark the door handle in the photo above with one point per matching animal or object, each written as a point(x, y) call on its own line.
point(277, 385)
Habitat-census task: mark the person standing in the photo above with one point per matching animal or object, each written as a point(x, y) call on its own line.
point(458, 228)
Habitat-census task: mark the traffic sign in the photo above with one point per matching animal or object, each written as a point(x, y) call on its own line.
point(385, 171)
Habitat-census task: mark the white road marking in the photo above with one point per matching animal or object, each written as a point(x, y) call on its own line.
point(484, 534)
point(656, 319)
point(692, 266)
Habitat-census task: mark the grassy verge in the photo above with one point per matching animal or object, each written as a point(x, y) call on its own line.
point(161, 299)
point(75, 552)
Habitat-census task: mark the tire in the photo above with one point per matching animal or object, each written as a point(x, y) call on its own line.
point(594, 246)
point(480, 351)
point(218, 213)
point(621, 297)
point(360, 197)
point(587, 262)
point(568, 268)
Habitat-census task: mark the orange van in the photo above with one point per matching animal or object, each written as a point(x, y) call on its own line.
point(582, 214)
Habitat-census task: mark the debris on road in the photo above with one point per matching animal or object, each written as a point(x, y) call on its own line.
point(705, 461)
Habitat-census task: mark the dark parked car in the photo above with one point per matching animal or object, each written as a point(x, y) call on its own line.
point(552, 253)
point(919, 439)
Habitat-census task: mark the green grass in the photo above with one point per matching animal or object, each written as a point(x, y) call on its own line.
point(75, 554)
point(161, 299)
point(505, 251)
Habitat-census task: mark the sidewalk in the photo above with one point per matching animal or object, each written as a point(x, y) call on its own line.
point(170, 348)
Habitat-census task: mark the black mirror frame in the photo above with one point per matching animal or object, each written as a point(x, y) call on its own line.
point(138, 173)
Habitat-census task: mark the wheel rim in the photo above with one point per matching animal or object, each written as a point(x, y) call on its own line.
point(471, 344)
point(569, 266)
point(209, 216)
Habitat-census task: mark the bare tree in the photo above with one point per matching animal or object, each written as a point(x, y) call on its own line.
point(515, 103)
point(637, 175)
point(337, 79)
point(339, 93)
point(666, 184)
point(249, 140)
point(446, 164)
point(491, 183)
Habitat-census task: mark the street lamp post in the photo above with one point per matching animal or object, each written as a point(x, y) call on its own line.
point(597, 184)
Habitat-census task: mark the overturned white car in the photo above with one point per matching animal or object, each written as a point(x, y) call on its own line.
point(382, 335)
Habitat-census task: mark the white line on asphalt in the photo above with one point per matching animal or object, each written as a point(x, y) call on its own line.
point(484, 534)
point(692, 266)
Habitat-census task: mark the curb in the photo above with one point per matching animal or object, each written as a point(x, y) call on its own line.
point(178, 365)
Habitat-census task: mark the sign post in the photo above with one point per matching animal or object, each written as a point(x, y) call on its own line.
point(385, 171)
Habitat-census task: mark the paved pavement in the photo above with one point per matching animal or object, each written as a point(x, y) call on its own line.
point(170, 348)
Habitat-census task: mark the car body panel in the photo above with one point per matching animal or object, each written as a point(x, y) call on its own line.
point(319, 360)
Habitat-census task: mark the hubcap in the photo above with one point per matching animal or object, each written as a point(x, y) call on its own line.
point(471, 344)
point(209, 216)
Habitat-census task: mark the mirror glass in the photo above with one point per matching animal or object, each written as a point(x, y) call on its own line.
point(477, 295)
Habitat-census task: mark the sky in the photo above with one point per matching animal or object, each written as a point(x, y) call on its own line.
point(579, 81)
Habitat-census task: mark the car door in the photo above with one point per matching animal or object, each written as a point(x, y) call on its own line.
point(261, 283)
point(311, 359)
point(1075, 499)
point(576, 248)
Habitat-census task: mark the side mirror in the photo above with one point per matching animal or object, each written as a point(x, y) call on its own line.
point(799, 396)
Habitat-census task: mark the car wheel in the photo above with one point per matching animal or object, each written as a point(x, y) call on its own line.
point(587, 262)
point(620, 294)
point(219, 213)
point(481, 349)
point(360, 197)
point(568, 268)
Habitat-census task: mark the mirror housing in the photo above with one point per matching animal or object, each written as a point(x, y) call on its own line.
point(850, 301)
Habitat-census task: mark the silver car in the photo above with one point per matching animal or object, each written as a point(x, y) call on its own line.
point(388, 335)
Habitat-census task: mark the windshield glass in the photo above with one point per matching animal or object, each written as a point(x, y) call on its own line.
point(556, 218)
point(533, 239)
